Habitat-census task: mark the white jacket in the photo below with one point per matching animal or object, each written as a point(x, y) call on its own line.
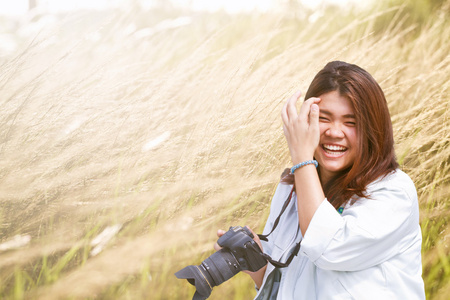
point(371, 251)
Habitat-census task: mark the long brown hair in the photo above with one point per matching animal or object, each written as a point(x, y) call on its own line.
point(373, 126)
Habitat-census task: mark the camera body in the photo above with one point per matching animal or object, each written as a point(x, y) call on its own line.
point(239, 252)
point(238, 240)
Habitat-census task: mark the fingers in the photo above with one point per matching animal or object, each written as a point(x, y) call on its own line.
point(314, 118)
point(289, 111)
point(306, 107)
point(255, 237)
point(220, 232)
point(254, 234)
point(217, 247)
point(291, 108)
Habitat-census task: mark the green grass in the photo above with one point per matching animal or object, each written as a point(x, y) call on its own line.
point(83, 100)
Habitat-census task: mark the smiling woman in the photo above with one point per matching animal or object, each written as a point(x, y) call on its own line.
point(338, 145)
point(357, 217)
point(354, 115)
point(111, 118)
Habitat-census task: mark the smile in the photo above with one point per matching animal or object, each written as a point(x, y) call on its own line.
point(334, 150)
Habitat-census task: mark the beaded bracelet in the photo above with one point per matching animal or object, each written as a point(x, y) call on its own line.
point(308, 162)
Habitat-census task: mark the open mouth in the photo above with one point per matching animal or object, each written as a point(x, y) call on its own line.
point(334, 150)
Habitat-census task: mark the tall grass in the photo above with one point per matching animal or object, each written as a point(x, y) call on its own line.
point(172, 130)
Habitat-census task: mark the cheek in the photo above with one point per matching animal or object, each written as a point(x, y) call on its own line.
point(352, 137)
point(322, 128)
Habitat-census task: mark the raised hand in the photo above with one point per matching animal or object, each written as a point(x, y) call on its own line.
point(301, 129)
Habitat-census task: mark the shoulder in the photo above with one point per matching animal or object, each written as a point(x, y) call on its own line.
point(396, 180)
point(396, 188)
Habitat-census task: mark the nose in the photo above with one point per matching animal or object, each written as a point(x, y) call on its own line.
point(334, 132)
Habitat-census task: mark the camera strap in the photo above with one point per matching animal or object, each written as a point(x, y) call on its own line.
point(279, 264)
point(264, 237)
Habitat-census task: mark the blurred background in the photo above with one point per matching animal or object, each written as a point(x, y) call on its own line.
point(130, 131)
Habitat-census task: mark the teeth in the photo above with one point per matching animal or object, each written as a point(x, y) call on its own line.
point(334, 148)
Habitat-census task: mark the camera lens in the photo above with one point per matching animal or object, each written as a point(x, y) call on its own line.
point(214, 270)
point(221, 266)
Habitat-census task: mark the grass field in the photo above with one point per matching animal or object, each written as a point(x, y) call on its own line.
point(128, 137)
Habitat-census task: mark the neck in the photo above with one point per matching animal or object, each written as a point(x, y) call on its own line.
point(324, 176)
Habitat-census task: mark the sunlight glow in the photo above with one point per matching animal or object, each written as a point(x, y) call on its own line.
point(69, 5)
point(230, 6)
point(20, 7)
point(8, 7)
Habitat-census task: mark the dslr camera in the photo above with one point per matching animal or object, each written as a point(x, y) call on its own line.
point(239, 252)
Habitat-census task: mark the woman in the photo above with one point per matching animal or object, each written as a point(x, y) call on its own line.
point(356, 214)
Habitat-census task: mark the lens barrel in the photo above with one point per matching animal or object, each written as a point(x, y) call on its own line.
point(214, 270)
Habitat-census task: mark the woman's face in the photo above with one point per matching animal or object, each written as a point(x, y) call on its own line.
point(337, 148)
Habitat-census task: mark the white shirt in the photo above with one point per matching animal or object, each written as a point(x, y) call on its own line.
point(371, 251)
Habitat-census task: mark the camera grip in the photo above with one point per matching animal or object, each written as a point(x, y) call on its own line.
point(254, 257)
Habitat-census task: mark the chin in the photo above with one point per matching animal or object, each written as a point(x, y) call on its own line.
point(333, 167)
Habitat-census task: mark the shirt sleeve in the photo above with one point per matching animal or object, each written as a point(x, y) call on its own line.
point(368, 232)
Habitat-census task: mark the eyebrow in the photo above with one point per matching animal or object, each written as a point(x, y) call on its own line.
point(347, 116)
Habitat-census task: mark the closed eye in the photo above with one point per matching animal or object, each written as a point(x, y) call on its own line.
point(323, 119)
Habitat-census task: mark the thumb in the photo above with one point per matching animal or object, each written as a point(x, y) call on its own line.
point(220, 232)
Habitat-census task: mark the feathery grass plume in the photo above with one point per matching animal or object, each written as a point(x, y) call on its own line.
point(171, 128)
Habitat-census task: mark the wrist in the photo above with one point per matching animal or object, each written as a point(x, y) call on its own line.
point(301, 158)
point(303, 164)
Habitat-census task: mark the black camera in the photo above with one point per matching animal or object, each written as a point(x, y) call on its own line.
point(239, 252)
